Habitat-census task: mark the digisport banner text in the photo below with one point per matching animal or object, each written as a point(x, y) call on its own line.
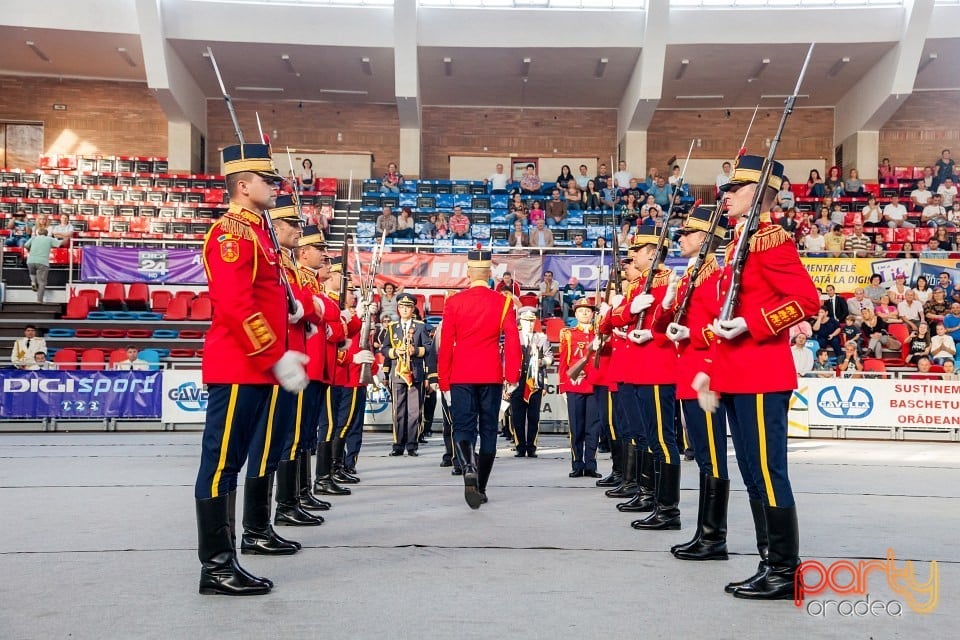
point(80, 394)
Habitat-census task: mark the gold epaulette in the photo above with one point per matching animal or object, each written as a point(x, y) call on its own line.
point(709, 267)
point(768, 237)
point(288, 261)
point(564, 334)
point(662, 278)
point(233, 226)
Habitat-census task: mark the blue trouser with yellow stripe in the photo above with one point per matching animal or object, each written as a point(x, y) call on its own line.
point(708, 438)
point(473, 412)
point(329, 406)
point(758, 426)
point(350, 402)
point(627, 415)
point(234, 412)
point(604, 401)
point(583, 415)
point(525, 419)
point(657, 406)
point(314, 397)
point(274, 436)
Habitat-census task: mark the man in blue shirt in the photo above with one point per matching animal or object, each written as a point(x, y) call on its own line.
point(569, 294)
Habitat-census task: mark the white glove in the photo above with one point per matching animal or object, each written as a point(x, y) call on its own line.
point(671, 293)
point(547, 359)
point(446, 397)
point(677, 332)
point(362, 308)
point(434, 387)
point(290, 372)
point(729, 329)
point(508, 389)
point(604, 308)
point(639, 336)
point(595, 345)
point(312, 330)
point(620, 333)
point(346, 315)
point(641, 303)
point(296, 316)
point(616, 300)
point(707, 399)
point(363, 357)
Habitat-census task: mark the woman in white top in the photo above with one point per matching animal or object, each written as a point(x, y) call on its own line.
point(923, 290)
point(814, 243)
point(942, 347)
point(872, 213)
point(785, 197)
point(802, 355)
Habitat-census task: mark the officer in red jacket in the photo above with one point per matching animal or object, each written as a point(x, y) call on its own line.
point(692, 335)
point(649, 363)
point(606, 389)
point(245, 355)
point(472, 370)
point(583, 412)
point(776, 292)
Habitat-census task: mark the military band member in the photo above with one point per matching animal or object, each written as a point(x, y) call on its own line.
point(707, 432)
point(775, 293)
point(26, 348)
point(472, 370)
point(526, 399)
point(576, 344)
point(245, 355)
point(406, 343)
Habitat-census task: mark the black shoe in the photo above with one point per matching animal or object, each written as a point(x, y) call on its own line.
point(446, 463)
point(219, 571)
point(532, 453)
point(778, 582)
point(471, 479)
point(641, 502)
point(760, 530)
point(520, 453)
point(258, 537)
point(422, 440)
point(327, 487)
point(602, 449)
point(396, 453)
point(591, 473)
point(341, 476)
point(457, 471)
point(577, 473)
point(612, 480)
point(413, 453)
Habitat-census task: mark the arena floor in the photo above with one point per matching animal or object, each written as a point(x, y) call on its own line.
point(97, 540)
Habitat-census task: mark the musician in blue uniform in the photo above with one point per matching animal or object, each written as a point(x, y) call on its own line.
point(526, 399)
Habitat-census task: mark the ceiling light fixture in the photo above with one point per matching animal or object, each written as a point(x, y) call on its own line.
point(122, 52)
point(366, 65)
point(289, 64)
point(347, 92)
point(781, 96)
point(601, 68)
point(837, 66)
point(760, 69)
point(448, 66)
point(703, 97)
point(260, 89)
point(525, 70)
point(926, 63)
point(683, 69)
point(37, 50)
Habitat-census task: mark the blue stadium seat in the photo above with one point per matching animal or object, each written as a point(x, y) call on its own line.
point(162, 353)
point(165, 334)
point(408, 200)
point(499, 201)
point(151, 356)
point(479, 232)
point(99, 315)
point(149, 316)
point(60, 333)
point(122, 315)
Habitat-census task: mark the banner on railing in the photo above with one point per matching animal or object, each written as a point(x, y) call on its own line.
point(184, 397)
point(846, 274)
point(444, 270)
point(133, 264)
point(908, 403)
point(80, 394)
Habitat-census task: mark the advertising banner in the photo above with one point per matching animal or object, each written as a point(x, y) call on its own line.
point(846, 274)
point(184, 397)
point(132, 264)
point(906, 403)
point(444, 270)
point(80, 394)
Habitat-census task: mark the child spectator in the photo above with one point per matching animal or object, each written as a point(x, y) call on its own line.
point(850, 330)
point(942, 346)
point(919, 341)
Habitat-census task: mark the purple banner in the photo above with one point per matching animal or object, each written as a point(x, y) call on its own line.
point(132, 264)
point(584, 268)
point(81, 394)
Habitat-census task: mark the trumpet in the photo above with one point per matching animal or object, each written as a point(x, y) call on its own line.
point(404, 365)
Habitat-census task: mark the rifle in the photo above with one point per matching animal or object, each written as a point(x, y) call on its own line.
point(613, 283)
point(577, 367)
point(662, 244)
point(343, 247)
point(705, 247)
point(367, 286)
point(739, 259)
point(268, 223)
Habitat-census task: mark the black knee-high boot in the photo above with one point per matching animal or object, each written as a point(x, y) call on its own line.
point(666, 515)
point(701, 496)
point(325, 484)
point(628, 486)
point(258, 534)
point(471, 479)
point(484, 467)
point(645, 499)
point(616, 474)
point(711, 540)
point(289, 512)
point(308, 501)
point(783, 558)
point(219, 571)
point(763, 545)
point(339, 474)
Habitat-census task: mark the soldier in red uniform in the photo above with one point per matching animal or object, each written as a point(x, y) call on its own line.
point(776, 292)
point(353, 400)
point(583, 412)
point(707, 431)
point(245, 354)
point(472, 370)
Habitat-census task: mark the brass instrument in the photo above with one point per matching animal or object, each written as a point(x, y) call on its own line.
point(404, 365)
point(533, 367)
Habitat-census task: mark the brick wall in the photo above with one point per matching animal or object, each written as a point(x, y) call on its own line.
point(107, 118)
point(926, 123)
point(528, 132)
point(366, 128)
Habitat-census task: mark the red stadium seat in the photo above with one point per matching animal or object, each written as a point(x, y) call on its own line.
point(92, 360)
point(186, 295)
point(92, 296)
point(201, 309)
point(117, 355)
point(874, 364)
point(182, 353)
point(191, 334)
point(528, 300)
point(113, 296)
point(115, 334)
point(176, 310)
point(159, 300)
point(884, 234)
point(901, 234)
point(77, 308)
point(922, 234)
point(139, 334)
point(87, 333)
point(138, 297)
point(436, 302)
point(552, 328)
point(66, 359)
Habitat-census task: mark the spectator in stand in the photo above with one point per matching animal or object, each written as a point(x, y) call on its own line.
point(815, 188)
point(895, 214)
point(814, 243)
point(858, 303)
point(802, 356)
point(923, 370)
point(443, 227)
point(929, 180)
point(610, 197)
point(621, 179)
point(625, 234)
point(509, 286)
point(827, 331)
point(133, 361)
point(885, 173)
point(886, 310)
point(898, 290)
point(872, 214)
point(949, 370)
point(834, 182)
point(42, 221)
point(578, 249)
point(789, 221)
point(590, 200)
point(944, 282)
point(307, 177)
point(572, 196)
point(650, 212)
point(835, 305)
point(725, 175)
point(834, 241)
point(661, 193)
point(822, 367)
point(785, 197)
point(823, 222)
point(919, 343)
point(910, 310)
point(459, 223)
point(919, 197)
point(569, 294)
point(629, 209)
point(942, 346)
point(392, 180)
point(565, 177)
point(850, 329)
point(922, 290)
point(602, 179)
point(804, 327)
point(951, 321)
point(386, 221)
point(517, 210)
point(537, 213)
point(946, 239)
point(636, 190)
point(324, 216)
point(498, 180)
point(406, 225)
point(63, 231)
point(948, 192)
point(19, 230)
point(935, 214)
point(937, 307)
point(876, 290)
point(944, 166)
point(38, 260)
point(858, 245)
point(582, 178)
point(932, 250)
point(540, 235)
point(837, 214)
point(556, 208)
point(40, 363)
point(519, 239)
point(804, 224)
point(530, 182)
point(850, 363)
point(429, 228)
point(549, 295)
point(875, 335)
point(853, 187)
point(908, 251)
point(388, 300)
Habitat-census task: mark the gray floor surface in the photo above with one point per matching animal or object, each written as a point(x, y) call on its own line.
point(97, 540)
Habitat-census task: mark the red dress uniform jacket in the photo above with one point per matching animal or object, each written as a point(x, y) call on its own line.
point(248, 331)
point(473, 321)
point(655, 361)
point(347, 374)
point(704, 307)
point(297, 333)
point(574, 344)
point(322, 346)
point(605, 375)
point(775, 293)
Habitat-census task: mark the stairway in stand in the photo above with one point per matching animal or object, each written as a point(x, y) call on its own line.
point(29, 312)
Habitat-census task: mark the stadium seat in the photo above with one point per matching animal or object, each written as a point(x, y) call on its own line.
point(98, 315)
point(436, 302)
point(66, 359)
point(198, 353)
point(61, 332)
point(116, 356)
point(138, 297)
point(901, 234)
point(165, 334)
point(148, 316)
point(922, 234)
point(139, 334)
point(159, 300)
point(77, 308)
point(92, 360)
point(191, 334)
point(182, 353)
point(152, 357)
point(201, 309)
point(130, 316)
point(87, 333)
point(188, 296)
point(113, 296)
point(92, 296)
point(552, 327)
point(176, 310)
point(115, 334)
point(528, 300)
point(874, 364)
